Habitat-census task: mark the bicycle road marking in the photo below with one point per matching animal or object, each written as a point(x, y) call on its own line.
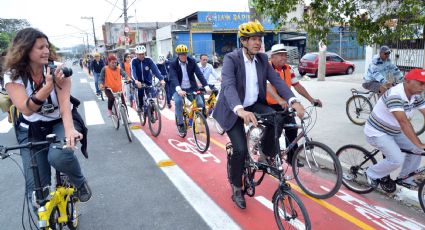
point(5, 126)
point(189, 146)
point(210, 212)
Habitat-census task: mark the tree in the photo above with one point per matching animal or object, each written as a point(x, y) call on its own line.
point(8, 29)
point(375, 21)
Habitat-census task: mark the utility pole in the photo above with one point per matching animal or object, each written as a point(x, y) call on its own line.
point(126, 28)
point(94, 32)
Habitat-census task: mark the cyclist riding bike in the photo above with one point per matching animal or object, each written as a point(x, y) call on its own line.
point(141, 68)
point(110, 77)
point(243, 92)
point(182, 77)
point(278, 60)
point(43, 98)
point(381, 73)
point(389, 129)
point(164, 68)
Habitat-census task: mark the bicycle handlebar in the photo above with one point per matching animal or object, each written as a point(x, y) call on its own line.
point(50, 139)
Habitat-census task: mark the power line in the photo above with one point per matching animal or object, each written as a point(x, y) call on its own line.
point(110, 13)
point(113, 4)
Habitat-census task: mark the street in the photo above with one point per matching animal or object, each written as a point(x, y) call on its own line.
point(132, 190)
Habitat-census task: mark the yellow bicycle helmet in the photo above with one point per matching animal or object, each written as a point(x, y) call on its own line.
point(251, 29)
point(181, 49)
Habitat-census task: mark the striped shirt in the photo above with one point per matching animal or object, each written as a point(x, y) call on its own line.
point(382, 121)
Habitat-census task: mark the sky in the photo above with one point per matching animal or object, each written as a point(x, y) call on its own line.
point(52, 16)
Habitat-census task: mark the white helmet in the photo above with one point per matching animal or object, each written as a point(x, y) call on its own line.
point(161, 58)
point(140, 49)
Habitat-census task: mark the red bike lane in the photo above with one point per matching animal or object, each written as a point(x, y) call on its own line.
point(346, 210)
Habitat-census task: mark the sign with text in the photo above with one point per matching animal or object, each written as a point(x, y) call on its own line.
point(201, 27)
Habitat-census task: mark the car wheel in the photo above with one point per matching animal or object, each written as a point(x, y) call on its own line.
point(302, 73)
point(350, 70)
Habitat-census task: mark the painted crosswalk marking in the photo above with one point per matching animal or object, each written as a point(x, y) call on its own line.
point(92, 113)
point(5, 126)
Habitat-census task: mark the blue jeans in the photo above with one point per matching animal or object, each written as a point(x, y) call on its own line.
point(178, 101)
point(394, 158)
point(62, 160)
point(96, 81)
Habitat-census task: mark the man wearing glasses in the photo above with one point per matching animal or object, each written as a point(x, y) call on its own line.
point(381, 73)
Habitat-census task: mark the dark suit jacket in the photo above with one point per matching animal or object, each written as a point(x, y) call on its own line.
point(233, 86)
point(176, 75)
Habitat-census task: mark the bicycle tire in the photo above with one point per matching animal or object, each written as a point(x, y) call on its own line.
point(354, 173)
point(115, 117)
point(323, 166)
point(362, 106)
point(418, 122)
point(421, 195)
point(199, 129)
point(53, 219)
point(154, 117)
point(289, 202)
point(125, 123)
point(161, 98)
point(72, 212)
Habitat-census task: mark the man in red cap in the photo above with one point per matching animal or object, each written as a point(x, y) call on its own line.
point(389, 129)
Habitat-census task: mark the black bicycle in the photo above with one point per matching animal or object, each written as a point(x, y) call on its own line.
point(289, 210)
point(56, 208)
point(355, 160)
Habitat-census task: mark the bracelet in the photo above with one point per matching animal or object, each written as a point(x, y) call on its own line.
point(36, 100)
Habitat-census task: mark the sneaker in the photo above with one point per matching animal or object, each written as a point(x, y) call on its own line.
point(372, 182)
point(109, 112)
point(181, 129)
point(410, 184)
point(84, 192)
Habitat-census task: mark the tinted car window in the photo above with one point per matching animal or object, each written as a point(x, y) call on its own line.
point(336, 59)
point(309, 57)
point(328, 58)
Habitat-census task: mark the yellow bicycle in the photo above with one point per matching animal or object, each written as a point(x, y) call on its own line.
point(193, 117)
point(59, 207)
point(209, 109)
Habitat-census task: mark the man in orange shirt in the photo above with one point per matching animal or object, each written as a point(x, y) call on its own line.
point(278, 60)
point(110, 77)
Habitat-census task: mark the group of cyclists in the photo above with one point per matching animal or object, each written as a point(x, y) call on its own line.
point(251, 83)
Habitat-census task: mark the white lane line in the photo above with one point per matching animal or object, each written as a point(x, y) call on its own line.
point(296, 223)
point(83, 80)
point(5, 126)
point(92, 113)
point(92, 86)
point(212, 214)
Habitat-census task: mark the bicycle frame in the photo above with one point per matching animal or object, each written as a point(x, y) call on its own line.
point(370, 95)
point(189, 110)
point(210, 103)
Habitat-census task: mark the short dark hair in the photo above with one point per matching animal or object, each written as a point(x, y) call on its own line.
point(200, 56)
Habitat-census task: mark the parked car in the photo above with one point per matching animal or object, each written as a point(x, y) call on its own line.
point(334, 64)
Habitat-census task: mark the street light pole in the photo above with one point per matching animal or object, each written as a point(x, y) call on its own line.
point(94, 32)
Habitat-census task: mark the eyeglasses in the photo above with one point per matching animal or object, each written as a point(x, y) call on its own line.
point(387, 53)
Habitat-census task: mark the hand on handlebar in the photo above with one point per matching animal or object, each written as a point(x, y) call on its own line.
point(182, 93)
point(299, 109)
point(138, 84)
point(72, 137)
point(247, 117)
point(317, 102)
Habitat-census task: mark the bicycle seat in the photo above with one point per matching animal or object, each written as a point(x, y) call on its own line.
point(355, 91)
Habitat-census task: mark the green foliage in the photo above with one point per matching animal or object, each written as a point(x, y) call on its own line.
point(8, 29)
point(375, 21)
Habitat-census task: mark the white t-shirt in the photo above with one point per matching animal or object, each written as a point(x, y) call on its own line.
point(382, 121)
point(36, 116)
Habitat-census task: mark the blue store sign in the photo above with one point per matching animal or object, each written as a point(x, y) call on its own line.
point(229, 20)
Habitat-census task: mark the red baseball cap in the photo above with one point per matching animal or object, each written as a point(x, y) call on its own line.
point(416, 74)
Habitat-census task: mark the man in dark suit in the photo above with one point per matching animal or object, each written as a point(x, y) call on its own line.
point(182, 76)
point(243, 91)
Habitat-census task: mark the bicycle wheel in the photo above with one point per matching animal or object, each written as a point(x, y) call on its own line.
point(289, 211)
point(72, 212)
point(321, 175)
point(201, 133)
point(115, 117)
point(161, 97)
point(358, 108)
point(154, 117)
point(125, 122)
point(354, 161)
point(421, 194)
point(218, 128)
point(418, 122)
point(53, 219)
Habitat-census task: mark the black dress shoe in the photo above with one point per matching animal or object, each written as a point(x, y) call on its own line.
point(238, 198)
